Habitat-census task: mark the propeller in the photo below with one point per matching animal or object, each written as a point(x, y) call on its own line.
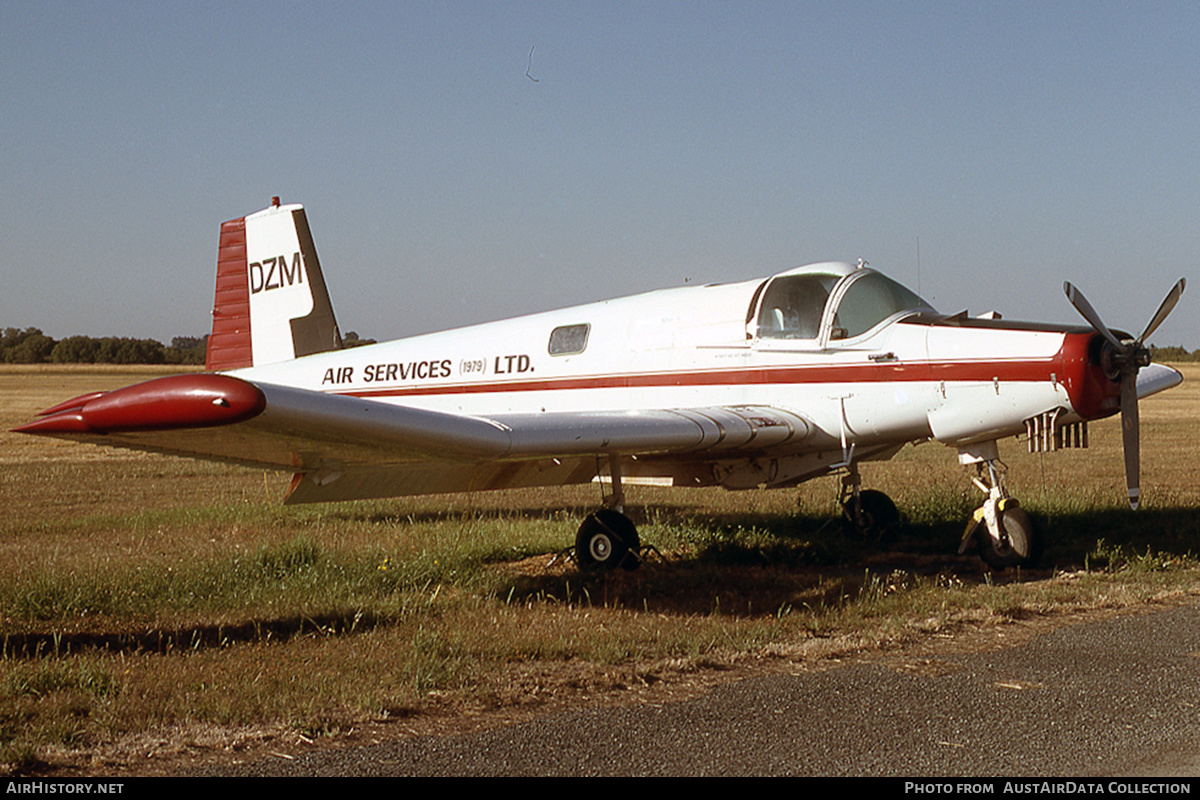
point(1127, 358)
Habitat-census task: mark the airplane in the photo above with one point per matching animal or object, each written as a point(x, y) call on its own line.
point(762, 383)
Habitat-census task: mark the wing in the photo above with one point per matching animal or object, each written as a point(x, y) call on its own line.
point(344, 448)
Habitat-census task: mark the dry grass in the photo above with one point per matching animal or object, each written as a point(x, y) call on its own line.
point(157, 607)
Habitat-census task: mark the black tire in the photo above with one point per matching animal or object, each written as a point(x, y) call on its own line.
point(607, 539)
point(1024, 545)
point(878, 519)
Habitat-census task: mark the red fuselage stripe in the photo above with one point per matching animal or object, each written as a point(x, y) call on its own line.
point(1029, 370)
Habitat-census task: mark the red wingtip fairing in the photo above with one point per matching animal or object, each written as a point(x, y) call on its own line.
point(74, 402)
point(178, 401)
point(68, 421)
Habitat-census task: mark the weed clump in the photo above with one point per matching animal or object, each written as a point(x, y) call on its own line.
point(1114, 558)
point(289, 558)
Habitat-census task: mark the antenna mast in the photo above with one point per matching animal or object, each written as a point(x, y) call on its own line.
point(919, 266)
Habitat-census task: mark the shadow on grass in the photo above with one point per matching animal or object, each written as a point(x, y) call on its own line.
point(753, 566)
point(183, 639)
point(738, 565)
point(1072, 540)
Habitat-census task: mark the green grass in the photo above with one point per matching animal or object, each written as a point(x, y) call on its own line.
point(319, 621)
point(154, 596)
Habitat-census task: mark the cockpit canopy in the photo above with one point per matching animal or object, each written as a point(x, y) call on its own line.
point(829, 302)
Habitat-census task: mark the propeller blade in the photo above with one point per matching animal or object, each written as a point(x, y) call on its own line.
point(1129, 436)
point(1131, 357)
point(1167, 306)
point(1085, 308)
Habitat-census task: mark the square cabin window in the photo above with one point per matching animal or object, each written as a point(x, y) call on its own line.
point(569, 340)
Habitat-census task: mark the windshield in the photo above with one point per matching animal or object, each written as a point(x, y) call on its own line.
point(870, 300)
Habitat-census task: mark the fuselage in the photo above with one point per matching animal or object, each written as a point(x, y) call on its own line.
point(862, 359)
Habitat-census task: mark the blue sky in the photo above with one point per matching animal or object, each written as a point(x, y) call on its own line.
point(1023, 144)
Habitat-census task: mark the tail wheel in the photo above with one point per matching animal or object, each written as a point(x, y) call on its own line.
point(1023, 545)
point(876, 517)
point(607, 539)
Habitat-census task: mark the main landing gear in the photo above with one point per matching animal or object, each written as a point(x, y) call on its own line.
point(607, 538)
point(1000, 529)
point(867, 513)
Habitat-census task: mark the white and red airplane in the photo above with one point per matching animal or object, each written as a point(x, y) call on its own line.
point(769, 382)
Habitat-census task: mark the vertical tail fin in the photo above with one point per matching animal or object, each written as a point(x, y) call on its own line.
point(271, 302)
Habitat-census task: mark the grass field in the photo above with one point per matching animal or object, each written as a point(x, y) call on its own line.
point(157, 608)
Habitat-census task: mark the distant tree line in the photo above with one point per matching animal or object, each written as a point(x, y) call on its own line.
point(31, 346)
point(351, 339)
point(1173, 353)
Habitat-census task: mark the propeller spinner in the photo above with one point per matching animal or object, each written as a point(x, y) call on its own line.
point(1128, 357)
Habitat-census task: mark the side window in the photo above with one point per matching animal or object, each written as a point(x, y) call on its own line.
point(569, 340)
point(793, 305)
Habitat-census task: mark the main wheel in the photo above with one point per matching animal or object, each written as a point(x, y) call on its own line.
point(877, 517)
point(1023, 546)
point(607, 539)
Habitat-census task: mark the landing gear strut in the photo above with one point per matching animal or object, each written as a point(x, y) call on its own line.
point(607, 538)
point(1000, 529)
point(867, 513)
